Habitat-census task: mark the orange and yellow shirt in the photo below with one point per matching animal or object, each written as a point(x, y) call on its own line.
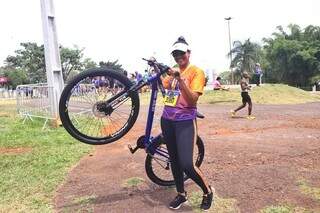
point(194, 78)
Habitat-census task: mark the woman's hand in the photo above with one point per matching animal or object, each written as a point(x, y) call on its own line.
point(174, 72)
point(171, 71)
point(192, 97)
point(176, 75)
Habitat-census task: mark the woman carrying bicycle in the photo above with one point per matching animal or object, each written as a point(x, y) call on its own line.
point(178, 122)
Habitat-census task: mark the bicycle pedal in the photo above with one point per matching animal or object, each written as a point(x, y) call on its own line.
point(133, 150)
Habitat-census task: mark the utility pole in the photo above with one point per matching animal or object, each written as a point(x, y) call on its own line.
point(52, 57)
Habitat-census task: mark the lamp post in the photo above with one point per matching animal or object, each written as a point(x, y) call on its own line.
point(228, 20)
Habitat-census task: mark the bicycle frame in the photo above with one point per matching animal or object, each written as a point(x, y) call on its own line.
point(156, 84)
point(148, 140)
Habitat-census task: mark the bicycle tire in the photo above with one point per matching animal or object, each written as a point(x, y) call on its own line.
point(64, 101)
point(158, 180)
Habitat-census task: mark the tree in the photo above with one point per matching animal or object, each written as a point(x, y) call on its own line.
point(30, 58)
point(225, 77)
point(114, 65)
point(293, 57)
point(88, 63)
point(312, 33)
point(15, 76)
point(29, 61)
point(245, 55)
point(71, 60)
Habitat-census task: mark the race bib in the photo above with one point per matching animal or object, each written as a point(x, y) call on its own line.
point(171, 98)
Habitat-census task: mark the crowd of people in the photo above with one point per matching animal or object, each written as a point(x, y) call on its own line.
point(136, 77)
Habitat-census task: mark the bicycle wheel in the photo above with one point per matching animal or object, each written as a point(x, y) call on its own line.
point(97, 107)
point(158, 167)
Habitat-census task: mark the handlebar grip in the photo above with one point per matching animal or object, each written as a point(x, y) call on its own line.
point(163, 68)
point(152, 62)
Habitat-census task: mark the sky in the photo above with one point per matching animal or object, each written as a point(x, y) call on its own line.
point(128, 30)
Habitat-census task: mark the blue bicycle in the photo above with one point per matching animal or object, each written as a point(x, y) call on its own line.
point(99, 106)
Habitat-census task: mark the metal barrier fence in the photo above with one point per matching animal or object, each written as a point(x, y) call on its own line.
point(33, 102)
point(7, 94)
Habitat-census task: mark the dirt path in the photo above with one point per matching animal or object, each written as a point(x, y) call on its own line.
point(257, 163)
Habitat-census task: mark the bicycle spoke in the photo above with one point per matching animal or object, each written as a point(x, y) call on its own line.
point(161, 167)
point(119, 115)
point(115, 123)
point(86, 110)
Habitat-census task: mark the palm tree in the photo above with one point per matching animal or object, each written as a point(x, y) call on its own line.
point(312, 33)
point(245, 55)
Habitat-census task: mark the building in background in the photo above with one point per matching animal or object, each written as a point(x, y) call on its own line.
point(211, 74)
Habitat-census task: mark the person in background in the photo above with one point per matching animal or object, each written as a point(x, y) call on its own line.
point(132, 77)
point(258, 74)
point(146, 75)
point(96, 81)
point(316, 86)
point(217, 85)
point(138, 76)
point(245, 88)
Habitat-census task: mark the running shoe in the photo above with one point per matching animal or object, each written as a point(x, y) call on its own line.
point(207, 201)
point(250, 117)
point(178, 201)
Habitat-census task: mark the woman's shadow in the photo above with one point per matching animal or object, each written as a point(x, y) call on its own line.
point(154, 198)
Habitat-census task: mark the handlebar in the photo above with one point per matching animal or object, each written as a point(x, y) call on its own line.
point(152, 62)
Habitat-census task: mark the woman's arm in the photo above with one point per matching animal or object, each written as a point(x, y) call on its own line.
point(194, 90)
point(192, 97)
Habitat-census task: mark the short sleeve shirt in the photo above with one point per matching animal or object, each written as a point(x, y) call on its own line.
point(194, 78)
point(216, 84)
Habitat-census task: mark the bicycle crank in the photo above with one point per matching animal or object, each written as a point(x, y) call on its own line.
point(140, 145)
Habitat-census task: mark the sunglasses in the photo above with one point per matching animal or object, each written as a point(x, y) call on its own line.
point(178, 54)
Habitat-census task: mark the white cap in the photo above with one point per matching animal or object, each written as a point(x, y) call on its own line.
point(180, 46)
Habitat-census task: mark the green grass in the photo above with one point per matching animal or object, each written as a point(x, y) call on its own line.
point(221, 205)
point(284, 209)
point(266, 94)
point(84, 200)
point(84, 204)
point(132, 182)
point(306, 189)
point(29, 179)
point(277, 209)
